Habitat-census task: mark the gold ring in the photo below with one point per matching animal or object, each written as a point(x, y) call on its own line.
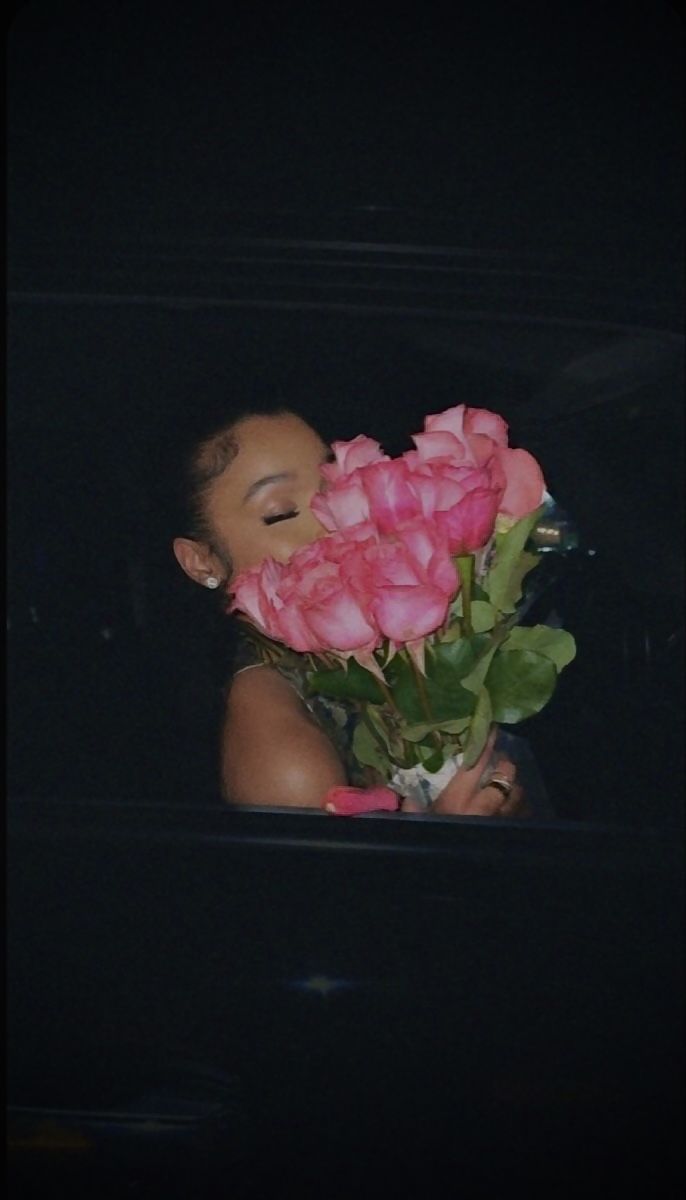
point(501, 782)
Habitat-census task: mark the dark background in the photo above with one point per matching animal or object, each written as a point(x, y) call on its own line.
point(149, 148)
point(536, 120)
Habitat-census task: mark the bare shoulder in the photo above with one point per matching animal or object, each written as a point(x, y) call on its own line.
point(273, 752)
point(255, 684)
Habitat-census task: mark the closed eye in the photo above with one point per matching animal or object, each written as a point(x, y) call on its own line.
point(280, 517)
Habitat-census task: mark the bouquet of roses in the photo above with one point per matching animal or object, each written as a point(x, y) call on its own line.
point(410, 608)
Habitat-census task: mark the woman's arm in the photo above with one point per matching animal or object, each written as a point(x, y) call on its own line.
point(273, 753)
point(272, 750)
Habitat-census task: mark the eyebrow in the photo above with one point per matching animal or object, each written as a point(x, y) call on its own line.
point(266, 479)
point(328, 456)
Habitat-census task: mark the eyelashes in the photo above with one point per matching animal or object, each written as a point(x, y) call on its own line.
point(280, 517)
point(274, 518)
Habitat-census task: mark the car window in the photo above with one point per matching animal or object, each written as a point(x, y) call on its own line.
point(115, 683)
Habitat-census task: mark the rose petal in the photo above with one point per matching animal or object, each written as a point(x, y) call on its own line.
point(481, 420)
point(391, 497)
point(452, 420)
point(339, 622)
point(438, 443)
point(407, 613)
point(351, 455)
point(349, 801)
point(469, 525)
point(344, 504)
point(525, 486)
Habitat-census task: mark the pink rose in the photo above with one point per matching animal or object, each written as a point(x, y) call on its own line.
point(313, 602)
point(317, 585)
point(472, 449)
point(436, 483)
point(352, 455)
point(476, 430)
point(388, 563)
point(483, 438)
point(407, 613)
point(463, 422)
point(406, 602)
point(481, 421)
point(343, 504)
point(340, 623)
point(289, 626)
point(439, 444)
point(469, 524)
point(392, 498)
point(524, 482)
point(255, 592)
point(386, 568)
point(429, 551)
point(451, 420)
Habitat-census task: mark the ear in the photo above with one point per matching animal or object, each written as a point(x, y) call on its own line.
point(197, 560)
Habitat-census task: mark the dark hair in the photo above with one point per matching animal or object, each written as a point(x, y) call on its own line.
point(190, 633)
point(191, 639)
point(189, 453)
point(208, 446)
point(206, 461)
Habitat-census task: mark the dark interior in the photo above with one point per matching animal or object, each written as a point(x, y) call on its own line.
point(372, 219)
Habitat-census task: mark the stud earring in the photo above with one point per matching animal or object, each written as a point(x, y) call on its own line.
point(212, 582)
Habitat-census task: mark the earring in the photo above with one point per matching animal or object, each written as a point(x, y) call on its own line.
point(212, 582)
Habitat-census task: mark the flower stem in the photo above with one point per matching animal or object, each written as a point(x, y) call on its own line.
point(424, 701)
point(389, 696)
point(383, 746)
point(364, 713)
point(465, 568)
point(395, 712)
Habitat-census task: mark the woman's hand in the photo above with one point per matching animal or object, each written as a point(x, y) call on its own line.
point(464, 797)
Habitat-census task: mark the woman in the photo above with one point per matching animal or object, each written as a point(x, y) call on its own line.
point(249, 490)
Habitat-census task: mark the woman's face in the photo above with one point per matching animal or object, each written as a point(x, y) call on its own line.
point(260, 506)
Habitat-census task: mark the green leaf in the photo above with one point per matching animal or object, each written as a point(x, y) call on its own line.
point(403, 687)
point(416, 733)
point(479, 729)
point(450, 749)
point(455, 727)
point(525, 563)
point(520, 684)
point(454, 632)
point(503, 582)
point(448, 661)
point(355, 683)
point(367, 751)
point(483, 615)
point(555, 644)
point(475, 680)
point(430, 758)
point(446, 664)
point(375, 717)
